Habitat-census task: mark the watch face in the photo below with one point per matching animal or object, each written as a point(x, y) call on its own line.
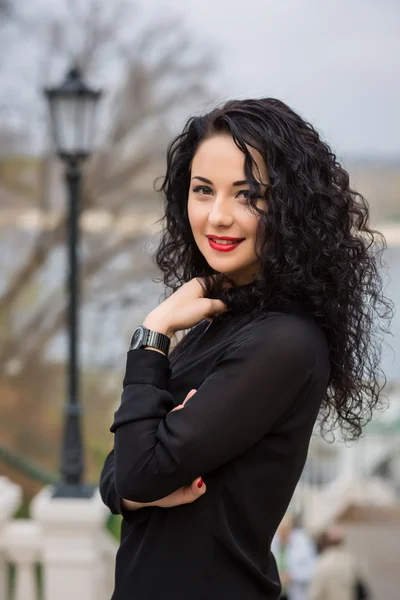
point(137, 338)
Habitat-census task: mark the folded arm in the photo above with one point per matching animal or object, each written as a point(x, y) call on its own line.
point(157, 451)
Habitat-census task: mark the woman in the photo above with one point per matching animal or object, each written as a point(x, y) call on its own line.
point(269, 257)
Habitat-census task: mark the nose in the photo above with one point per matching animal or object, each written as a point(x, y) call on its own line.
point(220, 214)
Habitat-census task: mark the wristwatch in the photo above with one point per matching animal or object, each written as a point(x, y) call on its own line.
point(145, 337)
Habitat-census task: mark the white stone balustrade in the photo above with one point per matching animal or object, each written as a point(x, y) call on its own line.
point(67, 537)
point(22, 543)
point(10, 501)
point(73, 540)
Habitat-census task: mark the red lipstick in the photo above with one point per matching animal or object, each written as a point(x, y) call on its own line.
point(223, 247)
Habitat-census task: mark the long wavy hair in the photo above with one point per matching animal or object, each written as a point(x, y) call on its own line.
point(316, 246)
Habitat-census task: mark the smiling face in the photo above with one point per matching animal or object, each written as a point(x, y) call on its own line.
point(218, 207)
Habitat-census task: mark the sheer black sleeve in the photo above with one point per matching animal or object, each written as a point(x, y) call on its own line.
point(107, 488)
point(249, 389)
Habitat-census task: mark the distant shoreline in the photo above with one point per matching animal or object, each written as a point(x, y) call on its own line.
point(100, 221)
point(92, 221)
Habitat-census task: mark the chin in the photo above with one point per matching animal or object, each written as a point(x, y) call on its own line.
point(224, 268)
point(232, 267)
point(236, 274)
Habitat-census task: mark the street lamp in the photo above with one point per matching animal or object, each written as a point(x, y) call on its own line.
point(72, 109)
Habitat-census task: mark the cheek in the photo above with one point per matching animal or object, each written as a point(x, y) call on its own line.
point(189, 209)
point(196, 216)
point(191, 216)
point(249, 224)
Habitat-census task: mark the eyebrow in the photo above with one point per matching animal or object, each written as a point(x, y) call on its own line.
point(235, 183)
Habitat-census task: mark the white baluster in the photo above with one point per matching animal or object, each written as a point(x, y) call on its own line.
point(26, 585)
point(22, 540)
point(72, 549)
point(10, 501)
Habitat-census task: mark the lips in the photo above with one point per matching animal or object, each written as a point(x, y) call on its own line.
point(224, 238)
point(227, 245)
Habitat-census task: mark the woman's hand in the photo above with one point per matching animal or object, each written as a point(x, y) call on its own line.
point(185, 494)
point(189, 395)
point(183, 309)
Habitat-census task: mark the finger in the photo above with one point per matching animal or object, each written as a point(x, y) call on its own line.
point(199, 483)
point(198, 486)
point(192, 492)
point(190, 394)
point(217, 307)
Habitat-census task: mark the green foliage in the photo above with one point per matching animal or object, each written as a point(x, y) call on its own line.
point(114, 526)
point(23, 465)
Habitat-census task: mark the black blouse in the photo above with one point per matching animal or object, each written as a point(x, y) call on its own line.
point(260, 382)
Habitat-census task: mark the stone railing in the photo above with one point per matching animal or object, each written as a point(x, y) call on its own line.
point(364, 473)
point(63, 551)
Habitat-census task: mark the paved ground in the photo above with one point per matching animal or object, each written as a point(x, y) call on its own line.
point(376, 542)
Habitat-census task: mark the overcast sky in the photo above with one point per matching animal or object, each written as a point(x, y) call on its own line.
point(338, 63)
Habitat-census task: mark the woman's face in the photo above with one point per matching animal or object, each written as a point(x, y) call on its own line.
point(217, 207)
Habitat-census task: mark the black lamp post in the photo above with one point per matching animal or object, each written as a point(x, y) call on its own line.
point(72, 109)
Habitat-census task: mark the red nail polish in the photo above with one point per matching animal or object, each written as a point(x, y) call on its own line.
point(200, 483)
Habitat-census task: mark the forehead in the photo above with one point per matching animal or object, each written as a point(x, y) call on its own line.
point(218, 158)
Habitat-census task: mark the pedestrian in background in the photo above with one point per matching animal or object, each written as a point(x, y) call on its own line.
point(337, 574)
point(296, 555)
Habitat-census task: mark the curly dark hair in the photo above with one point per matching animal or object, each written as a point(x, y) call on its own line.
point(316, 246)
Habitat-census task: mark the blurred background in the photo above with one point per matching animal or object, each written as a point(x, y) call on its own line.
point(157, 62)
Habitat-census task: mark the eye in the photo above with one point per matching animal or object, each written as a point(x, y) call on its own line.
point(245, 194)
point(203, 190)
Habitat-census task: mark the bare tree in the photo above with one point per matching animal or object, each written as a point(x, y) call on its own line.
point(160, 73)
